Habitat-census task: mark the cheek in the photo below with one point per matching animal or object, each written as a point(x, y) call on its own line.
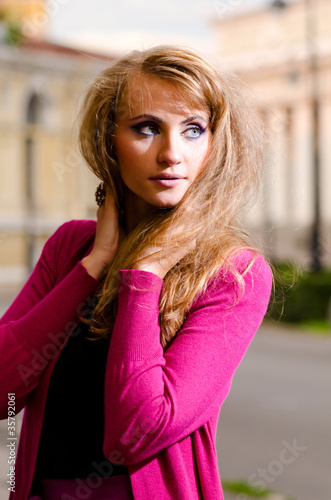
point(130, 155)
point(199, 157)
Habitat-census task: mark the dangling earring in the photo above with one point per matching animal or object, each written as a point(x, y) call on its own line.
point(100, 194)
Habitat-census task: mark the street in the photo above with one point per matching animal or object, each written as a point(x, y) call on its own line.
point(274, 428)
point(275, 425)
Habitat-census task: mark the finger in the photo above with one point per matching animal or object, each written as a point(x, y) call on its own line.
point(110, 207)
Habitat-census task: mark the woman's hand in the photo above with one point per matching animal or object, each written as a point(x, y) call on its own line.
point(161, 266)
point(107, 238)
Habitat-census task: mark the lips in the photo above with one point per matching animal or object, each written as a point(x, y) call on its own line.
point(169, 182)
point(167, 176)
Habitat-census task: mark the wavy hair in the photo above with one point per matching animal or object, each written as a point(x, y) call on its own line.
point(210, 210)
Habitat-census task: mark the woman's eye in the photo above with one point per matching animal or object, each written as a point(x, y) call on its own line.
point(148, 129)
point(193, 132)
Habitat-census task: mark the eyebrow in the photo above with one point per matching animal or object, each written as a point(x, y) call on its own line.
point(159, 120)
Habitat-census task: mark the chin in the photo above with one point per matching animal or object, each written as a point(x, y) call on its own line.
point(167, 202)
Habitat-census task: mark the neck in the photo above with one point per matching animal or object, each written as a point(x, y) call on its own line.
point(135, 209)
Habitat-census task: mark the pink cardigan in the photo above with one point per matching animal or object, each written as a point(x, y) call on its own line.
point(161, 408)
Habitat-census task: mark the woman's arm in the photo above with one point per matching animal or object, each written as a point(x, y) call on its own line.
point(40, 319)
point(152, 399)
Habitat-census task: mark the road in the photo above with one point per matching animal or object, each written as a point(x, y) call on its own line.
point(275, 425)
point(274, 428)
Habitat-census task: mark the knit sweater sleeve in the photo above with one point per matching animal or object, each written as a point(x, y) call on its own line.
point(153, 398)
point(40, 320)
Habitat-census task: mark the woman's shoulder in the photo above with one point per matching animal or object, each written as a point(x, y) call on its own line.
point(244, 281)
point(74, 232)
point(69, 243)
point(247, 260)
point(77, 227)
point(246, 269)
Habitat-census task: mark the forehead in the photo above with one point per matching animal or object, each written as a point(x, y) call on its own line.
point(145, 94)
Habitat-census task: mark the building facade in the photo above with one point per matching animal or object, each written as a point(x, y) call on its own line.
point(283, 53)
point(43, 179)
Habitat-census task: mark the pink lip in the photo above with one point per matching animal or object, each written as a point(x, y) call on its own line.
point(168, 182)
point(167, 175)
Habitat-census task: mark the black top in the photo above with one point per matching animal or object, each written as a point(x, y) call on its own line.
point(73, 426)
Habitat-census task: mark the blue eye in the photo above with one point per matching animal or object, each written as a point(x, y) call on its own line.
point(194, 132)
point(146, 128)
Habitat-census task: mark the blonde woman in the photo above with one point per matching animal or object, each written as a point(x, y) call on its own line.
point(123, 343)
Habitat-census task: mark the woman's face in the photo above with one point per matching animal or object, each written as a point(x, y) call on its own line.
point(161, 143)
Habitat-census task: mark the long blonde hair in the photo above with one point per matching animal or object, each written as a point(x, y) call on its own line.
point(210, 209)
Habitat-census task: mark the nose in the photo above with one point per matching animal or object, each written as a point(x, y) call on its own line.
point(169, 152)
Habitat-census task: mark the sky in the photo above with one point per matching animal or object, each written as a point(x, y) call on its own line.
point(120, 25)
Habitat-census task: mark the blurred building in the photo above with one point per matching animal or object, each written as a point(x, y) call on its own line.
point(25, 14)
point(43, 179)
point(283, 52)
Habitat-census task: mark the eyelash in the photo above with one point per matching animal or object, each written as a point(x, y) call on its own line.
point(138, 128)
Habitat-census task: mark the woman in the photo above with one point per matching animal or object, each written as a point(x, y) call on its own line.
point(123, 343)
